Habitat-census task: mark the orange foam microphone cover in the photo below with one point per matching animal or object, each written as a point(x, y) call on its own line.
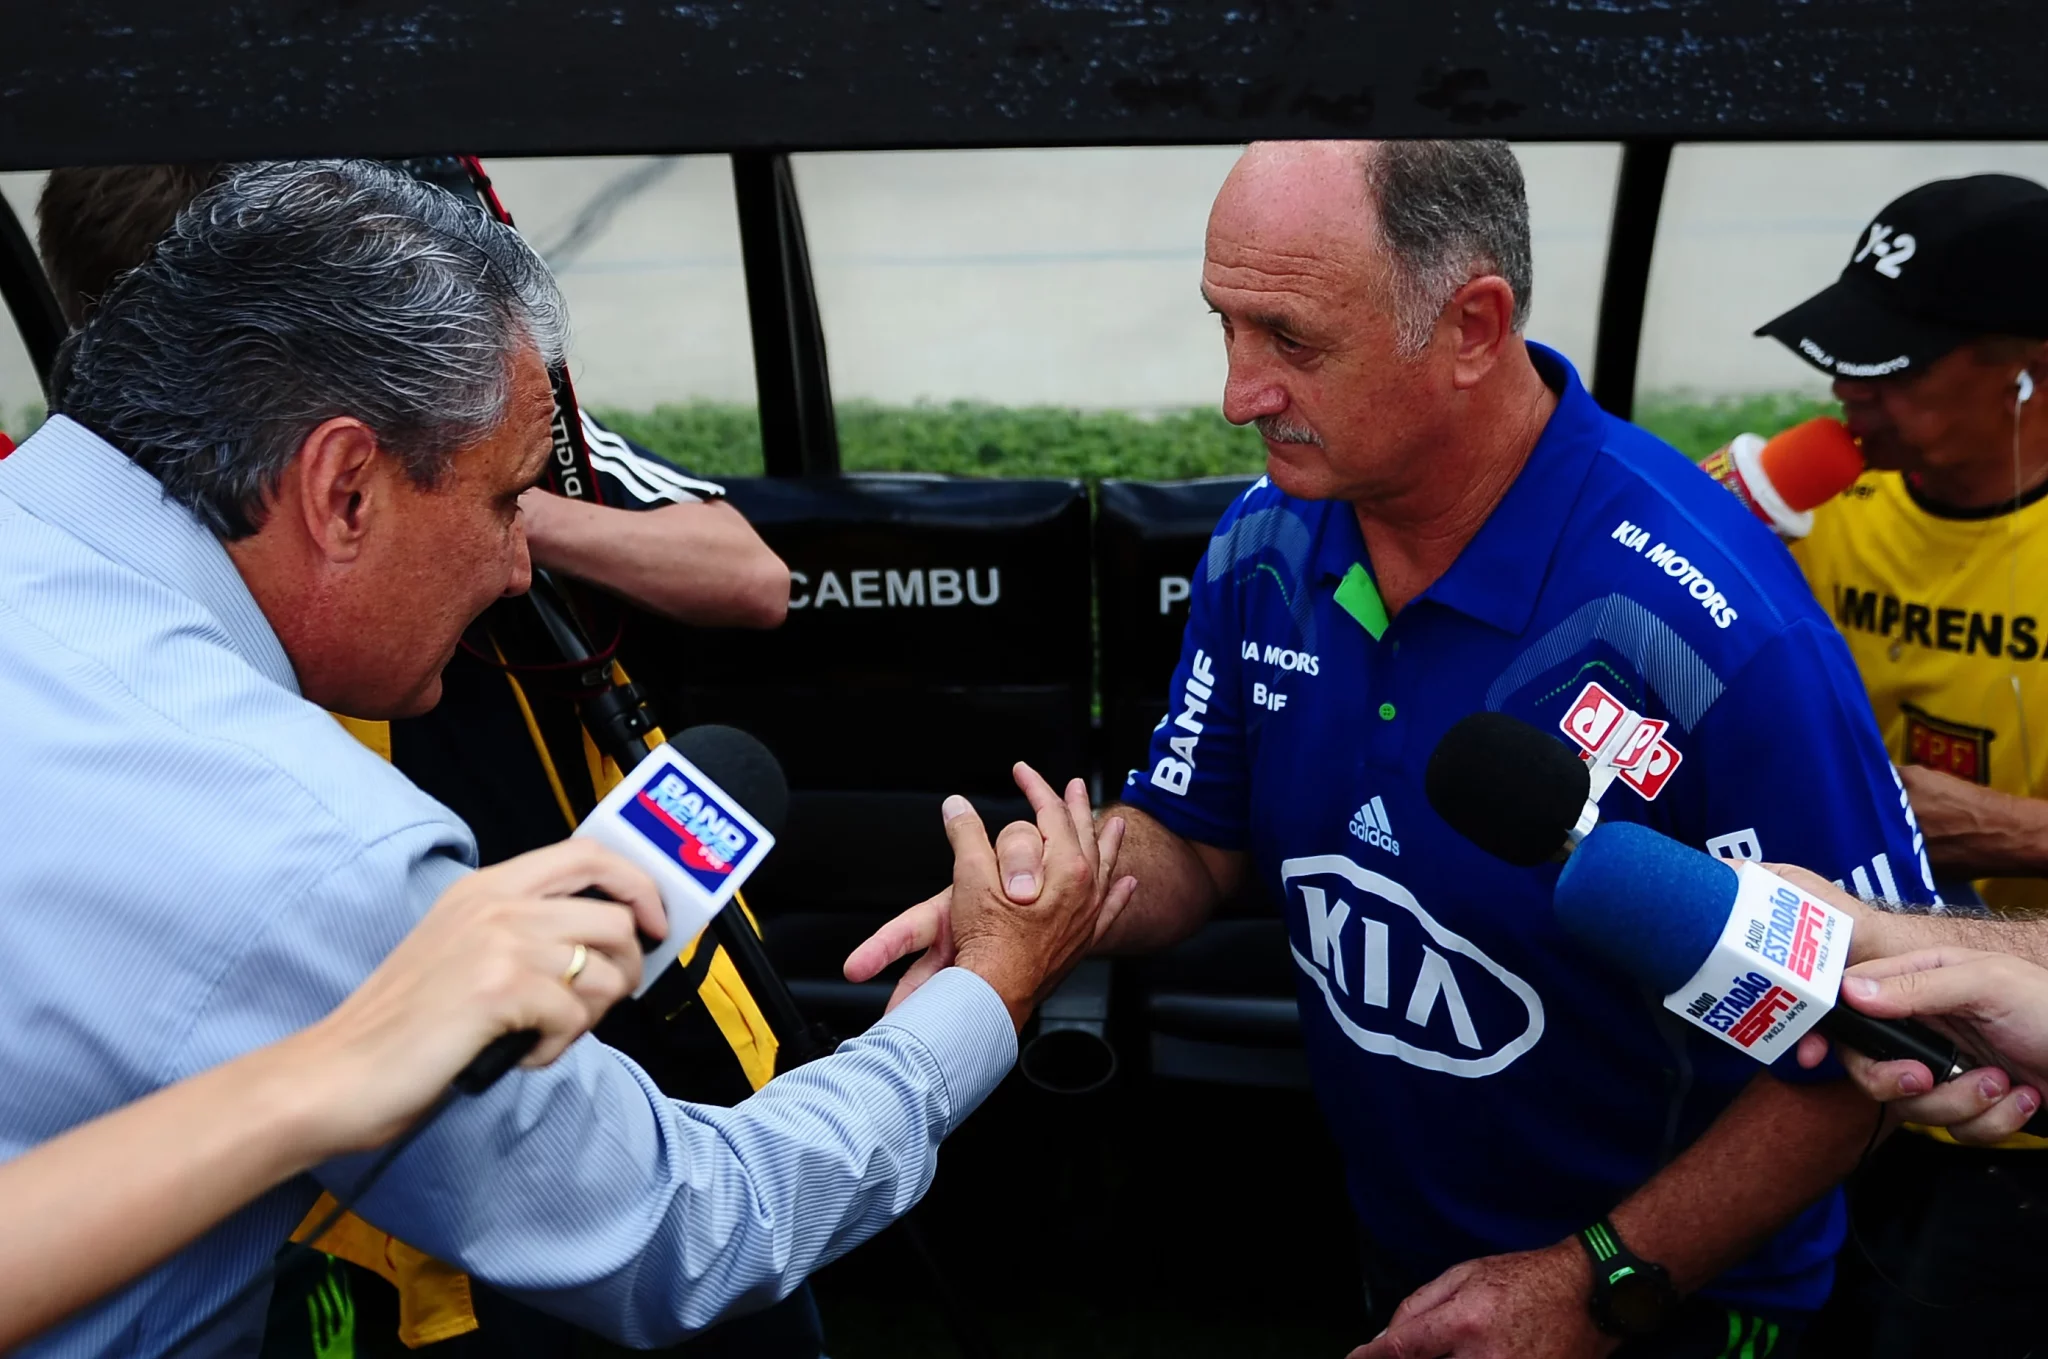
point(1811, 463)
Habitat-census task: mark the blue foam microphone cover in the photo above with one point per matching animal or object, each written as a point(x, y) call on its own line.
point(1650, 906)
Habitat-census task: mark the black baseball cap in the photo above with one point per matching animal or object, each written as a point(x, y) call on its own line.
point(1948, 263)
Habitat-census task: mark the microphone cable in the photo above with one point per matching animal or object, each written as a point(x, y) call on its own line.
point(1869, 1256)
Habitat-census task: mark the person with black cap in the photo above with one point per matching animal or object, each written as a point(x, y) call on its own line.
point(1935, 335)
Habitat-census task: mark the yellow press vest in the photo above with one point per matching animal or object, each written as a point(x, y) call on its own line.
point(1947, 618)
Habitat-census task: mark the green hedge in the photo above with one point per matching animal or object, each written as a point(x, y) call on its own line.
point(972, 439)
point(723, 439)
point(1697, 427)
point(964, 438)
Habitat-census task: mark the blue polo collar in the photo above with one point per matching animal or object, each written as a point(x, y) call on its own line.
point(73, 480)
point(1500, 575)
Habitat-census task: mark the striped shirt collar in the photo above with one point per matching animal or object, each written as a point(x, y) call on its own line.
point(77, 482)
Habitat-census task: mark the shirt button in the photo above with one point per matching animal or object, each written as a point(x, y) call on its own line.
point(1386, 712)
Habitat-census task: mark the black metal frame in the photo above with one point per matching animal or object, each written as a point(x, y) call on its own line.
point(792, 386)
point(1631, 241)
point(138, 80)
point(129, 80)
point(27, 292)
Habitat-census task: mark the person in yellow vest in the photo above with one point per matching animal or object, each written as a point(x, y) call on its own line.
point(505, 751)
point(1934, 566)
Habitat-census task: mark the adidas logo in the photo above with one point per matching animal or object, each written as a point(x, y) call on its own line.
point(1369, 823)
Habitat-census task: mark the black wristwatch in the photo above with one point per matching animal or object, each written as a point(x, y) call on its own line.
point(1631, 1296)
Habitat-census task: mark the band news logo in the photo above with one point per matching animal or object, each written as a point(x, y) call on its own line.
point(689, 826)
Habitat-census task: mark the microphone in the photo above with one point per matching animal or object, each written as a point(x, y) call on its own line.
point(1511, 789)
point(1733, 949)
point(698, 815)
point(1784, 478)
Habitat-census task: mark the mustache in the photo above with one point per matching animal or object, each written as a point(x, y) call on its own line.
point(1280, 430)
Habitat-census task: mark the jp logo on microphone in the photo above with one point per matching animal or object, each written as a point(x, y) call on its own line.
point(1774, 971)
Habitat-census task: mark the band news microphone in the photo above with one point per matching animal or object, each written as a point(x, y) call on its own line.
point(1511, 789)
point(1734, 949)
point(699, 815)
point(1783, 479)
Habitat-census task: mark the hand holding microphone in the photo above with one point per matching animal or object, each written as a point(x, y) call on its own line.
point(1993, 1004)
point(509, 951)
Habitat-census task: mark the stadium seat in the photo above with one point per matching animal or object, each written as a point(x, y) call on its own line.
point(1220, 1006)
point(1149, 538)
point(938, 632)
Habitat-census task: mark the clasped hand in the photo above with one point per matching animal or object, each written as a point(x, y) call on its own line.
point(1021, 912)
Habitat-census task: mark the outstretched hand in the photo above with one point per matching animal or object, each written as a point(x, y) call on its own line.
point(1019, 871)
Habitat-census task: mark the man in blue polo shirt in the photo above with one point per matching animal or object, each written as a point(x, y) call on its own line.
point(1448, 525)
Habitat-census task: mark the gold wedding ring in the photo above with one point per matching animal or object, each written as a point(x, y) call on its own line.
point(577, 961)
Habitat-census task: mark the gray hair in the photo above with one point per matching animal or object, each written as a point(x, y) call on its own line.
point(1449, 212)
point(294, 292)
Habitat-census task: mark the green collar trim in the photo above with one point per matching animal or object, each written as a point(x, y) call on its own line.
point(1359, 597)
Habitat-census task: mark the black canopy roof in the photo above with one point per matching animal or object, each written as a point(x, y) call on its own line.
point(117, 80)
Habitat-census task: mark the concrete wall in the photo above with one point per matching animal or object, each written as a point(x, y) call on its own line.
point(1069, 277)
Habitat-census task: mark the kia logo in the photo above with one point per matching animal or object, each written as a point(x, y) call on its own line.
point(1397, 982)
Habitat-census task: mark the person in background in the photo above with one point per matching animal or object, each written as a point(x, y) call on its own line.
point(505, 949)
point(1932, 566)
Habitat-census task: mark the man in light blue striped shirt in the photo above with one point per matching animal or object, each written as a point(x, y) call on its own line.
point(285, 477)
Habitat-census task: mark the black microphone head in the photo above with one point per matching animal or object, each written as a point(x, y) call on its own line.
point(1511, 789)
point(737, 762)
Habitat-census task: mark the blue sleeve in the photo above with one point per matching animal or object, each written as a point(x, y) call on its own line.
point(1801, 774)
point(1197, 777)
point(586, 1192)
point(580, 1186)
point(1802, 778)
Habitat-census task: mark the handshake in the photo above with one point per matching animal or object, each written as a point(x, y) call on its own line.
point(1021, 911)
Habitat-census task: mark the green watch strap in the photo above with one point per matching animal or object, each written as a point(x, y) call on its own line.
point(1625, 1285)
point(1601, 1243)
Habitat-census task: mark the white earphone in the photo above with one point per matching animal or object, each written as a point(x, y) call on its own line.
point(2026, 386)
